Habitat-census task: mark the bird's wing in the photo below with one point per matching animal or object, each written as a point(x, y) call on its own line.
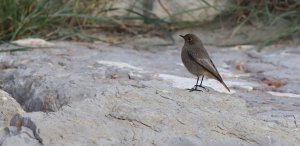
point(206, 63)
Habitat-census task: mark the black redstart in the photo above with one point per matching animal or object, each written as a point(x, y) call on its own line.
point(197, 61)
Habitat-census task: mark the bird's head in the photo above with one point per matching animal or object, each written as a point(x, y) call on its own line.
point(190, 38)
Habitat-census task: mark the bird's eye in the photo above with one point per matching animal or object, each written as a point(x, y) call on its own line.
point(189, 39)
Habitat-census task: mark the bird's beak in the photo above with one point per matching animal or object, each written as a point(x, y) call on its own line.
point(181, 36)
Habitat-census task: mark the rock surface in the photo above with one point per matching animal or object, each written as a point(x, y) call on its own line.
point(9, 107)
point(118, 96)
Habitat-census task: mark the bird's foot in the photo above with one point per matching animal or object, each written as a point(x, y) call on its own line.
point(194, 89)
point(206, 89)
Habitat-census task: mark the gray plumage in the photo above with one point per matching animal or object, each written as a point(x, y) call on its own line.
point(197, 61)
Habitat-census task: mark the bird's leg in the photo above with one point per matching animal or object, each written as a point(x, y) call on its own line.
point(201, 84)
point(195, 87)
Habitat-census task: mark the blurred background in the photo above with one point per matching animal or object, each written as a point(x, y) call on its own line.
point(217, 22)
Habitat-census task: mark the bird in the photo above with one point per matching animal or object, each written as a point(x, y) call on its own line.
point(197, 61)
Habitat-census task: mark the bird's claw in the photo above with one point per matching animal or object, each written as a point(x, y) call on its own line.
point(194, 89)
point(206, 89)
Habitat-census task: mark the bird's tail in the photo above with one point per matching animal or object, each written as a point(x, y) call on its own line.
point(225, 85)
